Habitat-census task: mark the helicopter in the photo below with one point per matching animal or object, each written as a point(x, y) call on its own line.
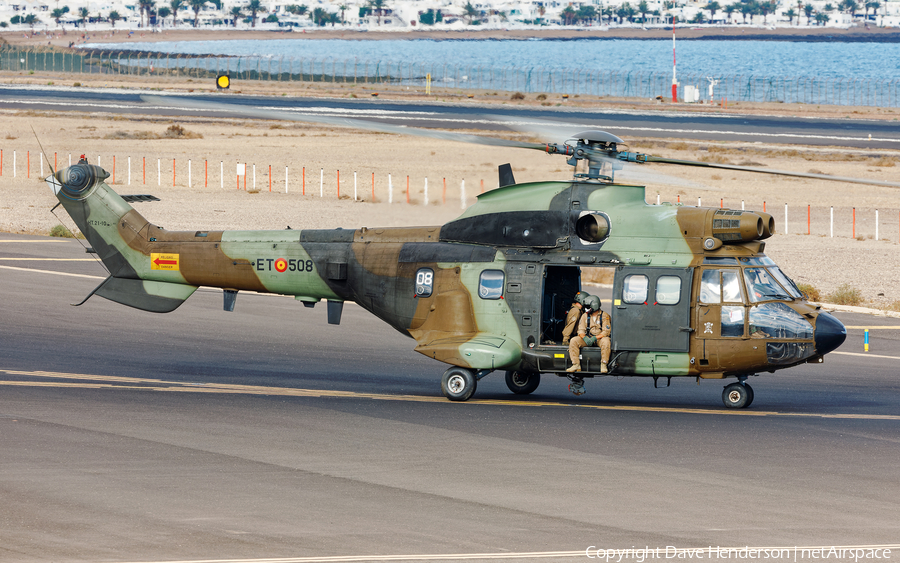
point(693, 294)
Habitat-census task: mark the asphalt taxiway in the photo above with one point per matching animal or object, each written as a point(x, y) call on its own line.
point(266, 433)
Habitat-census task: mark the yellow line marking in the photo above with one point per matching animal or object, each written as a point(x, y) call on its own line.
point(846, 552)
point(873, 327)
point(76, 380)
point(866, 355)
point(52, 272)
point(50, 259)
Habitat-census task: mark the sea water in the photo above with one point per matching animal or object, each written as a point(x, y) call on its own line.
point(823, 60)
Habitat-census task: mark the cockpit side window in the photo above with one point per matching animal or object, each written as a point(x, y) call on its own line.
point(761, 286)
point(785, 281)
point(717, 286)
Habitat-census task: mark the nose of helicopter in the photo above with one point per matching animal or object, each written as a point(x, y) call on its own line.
point(830, 333)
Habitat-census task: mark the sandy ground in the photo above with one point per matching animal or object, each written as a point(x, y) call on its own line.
point(212, 201)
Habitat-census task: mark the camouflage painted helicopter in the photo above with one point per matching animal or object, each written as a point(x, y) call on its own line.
point(694, 294)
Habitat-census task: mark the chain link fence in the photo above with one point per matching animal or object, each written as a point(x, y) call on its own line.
point(620, 84)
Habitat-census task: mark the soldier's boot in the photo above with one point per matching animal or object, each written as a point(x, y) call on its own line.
point(574, 368)
point(603, 368)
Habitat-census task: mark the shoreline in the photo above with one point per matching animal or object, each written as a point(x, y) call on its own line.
point(58, 38)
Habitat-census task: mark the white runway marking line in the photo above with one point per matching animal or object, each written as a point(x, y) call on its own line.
point(679, 552)
point(866, 355)
point(53, 273)
point(148, 384)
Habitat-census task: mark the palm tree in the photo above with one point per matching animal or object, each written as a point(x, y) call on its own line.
point(713, 7)
point(568, 15)
point(343, 8)
point(790, 14)
point(319, 16)
point(809, 10)
point(643, 8)
point(163, 13)
point(469, 12)
point(729, 9)
point(254, 6)
point(197, 5)
point(84, 13)
point(58, 14)
point(174, 6)
point(874, 6)
point(31, 20)
point(146, 6)
point(114, 17)
point(236, 13)
point(378, 8)
point(821, 18)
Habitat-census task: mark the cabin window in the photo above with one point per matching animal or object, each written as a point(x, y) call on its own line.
point(777, 320)
point(710, 291)
point(424, 282)
point(761, 286)
point(733, 320)
point(731, 287)
point(634, 289)
point(490, 284)
point(668, 290)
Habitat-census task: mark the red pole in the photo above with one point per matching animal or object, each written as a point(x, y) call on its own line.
point(205, 173)
point(679, 198)
point(54, 162)
point(245, 177)
point(407, 188)
point(674, 82)
point(854, 222)
point(444, 196)
point(270, 177)
point(764, 206)
point(304, 180)
point(721, 203)
point(238, 178)
point(339, 183)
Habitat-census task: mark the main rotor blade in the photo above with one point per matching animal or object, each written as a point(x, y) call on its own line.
point(663, 160)
point(280, 114)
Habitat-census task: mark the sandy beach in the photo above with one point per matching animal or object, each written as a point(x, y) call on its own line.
point(724, 32)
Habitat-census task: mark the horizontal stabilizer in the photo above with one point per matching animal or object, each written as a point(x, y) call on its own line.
point(153, 296)
point(139, 197)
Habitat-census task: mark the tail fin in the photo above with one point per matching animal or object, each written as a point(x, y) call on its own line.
point(121, 238)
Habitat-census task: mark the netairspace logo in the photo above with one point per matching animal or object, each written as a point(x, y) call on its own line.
point(746, 553)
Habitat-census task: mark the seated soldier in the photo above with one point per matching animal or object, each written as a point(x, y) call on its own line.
point(593, 330)
point(573, 316)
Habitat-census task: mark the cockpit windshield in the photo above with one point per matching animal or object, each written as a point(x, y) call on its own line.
point(761, 285)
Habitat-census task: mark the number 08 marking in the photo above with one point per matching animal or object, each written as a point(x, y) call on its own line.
point(300, 265)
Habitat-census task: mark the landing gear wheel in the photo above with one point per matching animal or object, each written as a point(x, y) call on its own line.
point(750, 392)
point(458, 384)
point(737, 396)
point(522, 382)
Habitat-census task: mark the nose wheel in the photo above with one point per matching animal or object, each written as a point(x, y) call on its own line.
point(737, 395)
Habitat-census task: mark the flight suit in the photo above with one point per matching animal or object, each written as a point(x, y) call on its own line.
point(593, 330)
point(572, 318)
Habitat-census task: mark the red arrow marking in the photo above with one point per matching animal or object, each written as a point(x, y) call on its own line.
point(158, 261)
